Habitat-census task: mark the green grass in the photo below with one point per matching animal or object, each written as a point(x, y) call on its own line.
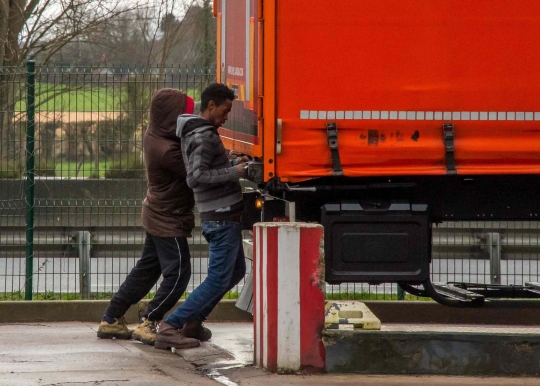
point(127, 168)
point(228, 295)
point(69, 169)
point(10, 170)
point(50, 295)
point(233, 295)
point(195, 94)
point(369, 296)
point(73, 98)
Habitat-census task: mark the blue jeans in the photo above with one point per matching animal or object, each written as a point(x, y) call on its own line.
point(227, 266)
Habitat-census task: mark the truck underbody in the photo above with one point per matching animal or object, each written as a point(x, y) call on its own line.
point(378, 230)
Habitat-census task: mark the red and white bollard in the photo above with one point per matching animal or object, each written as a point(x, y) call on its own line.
point(288, 296)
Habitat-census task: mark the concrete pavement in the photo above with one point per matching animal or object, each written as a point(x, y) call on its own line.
point(68, 353)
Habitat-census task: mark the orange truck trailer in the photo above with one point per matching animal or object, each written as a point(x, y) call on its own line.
point(378, 118)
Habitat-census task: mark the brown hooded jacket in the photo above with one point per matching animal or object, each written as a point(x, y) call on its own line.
point(168, 207)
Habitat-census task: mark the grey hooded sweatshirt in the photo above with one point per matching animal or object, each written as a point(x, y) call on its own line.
point(210, 173)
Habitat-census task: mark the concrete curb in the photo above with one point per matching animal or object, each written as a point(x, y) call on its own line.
point(93, 310)
point(525, 313)
point(432, 352)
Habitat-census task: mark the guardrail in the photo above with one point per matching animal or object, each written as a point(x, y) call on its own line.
point(83, 247)
point(94, 258)
point(484, 252)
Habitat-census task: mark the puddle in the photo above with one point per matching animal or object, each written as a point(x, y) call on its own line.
point(216, 376)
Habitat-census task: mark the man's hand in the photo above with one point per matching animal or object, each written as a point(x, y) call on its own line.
point(234, 154)
point(240, 167)
point(240, 160)
point(238, 157)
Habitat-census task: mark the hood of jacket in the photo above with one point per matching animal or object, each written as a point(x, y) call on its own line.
point(167, 104)
point(188, 124)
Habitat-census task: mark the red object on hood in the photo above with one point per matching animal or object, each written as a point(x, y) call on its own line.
point(190, 105)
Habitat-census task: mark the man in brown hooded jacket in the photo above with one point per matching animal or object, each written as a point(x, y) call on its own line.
point(167, 218)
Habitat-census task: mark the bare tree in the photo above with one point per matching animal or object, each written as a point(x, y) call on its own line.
point(83, 32)
point(166, 32)
point(42, 28)
point(173, 25)
point(207, 45)
point(32, 27)
point(197, 44)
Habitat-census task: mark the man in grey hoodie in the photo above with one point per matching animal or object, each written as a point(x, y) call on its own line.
point(215, 180)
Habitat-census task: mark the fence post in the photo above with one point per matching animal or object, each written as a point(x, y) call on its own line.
point(494, 247)
point(30, 105)
point(400, 293)
point(82, 239)
point(288, 290)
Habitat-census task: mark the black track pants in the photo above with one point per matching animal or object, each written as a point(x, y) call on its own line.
point(161, 255)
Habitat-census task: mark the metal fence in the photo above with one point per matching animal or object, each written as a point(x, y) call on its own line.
point(89, 184)
point(88, 175)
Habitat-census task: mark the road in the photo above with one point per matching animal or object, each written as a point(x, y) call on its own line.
point(60, 274)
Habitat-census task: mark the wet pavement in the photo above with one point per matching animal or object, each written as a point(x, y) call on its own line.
point(68, 353)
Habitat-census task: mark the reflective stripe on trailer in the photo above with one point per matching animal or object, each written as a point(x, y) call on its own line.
point(421, 115)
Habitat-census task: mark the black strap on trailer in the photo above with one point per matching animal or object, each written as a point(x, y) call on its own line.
point(448, 132)
point(331, 132)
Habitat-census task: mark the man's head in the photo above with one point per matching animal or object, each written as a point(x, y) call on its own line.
point(216, 103)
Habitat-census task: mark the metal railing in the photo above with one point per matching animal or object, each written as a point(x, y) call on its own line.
point(83, 248)
point(71, 168)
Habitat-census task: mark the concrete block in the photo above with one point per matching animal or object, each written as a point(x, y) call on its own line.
point(472, 353)
point(348, 315)
point(57, 311)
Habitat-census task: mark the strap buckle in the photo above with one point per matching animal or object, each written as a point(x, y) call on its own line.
point(449, 146)
point(331, 132)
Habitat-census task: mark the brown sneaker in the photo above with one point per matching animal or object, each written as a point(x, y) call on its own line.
point(146, 332)
point(169, 336)
point(118, 329)
point(195, 329)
